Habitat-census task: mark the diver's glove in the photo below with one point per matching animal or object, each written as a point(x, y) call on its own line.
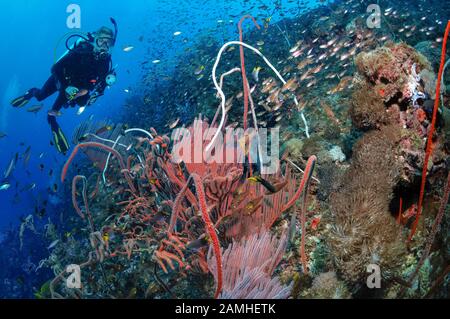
point(71, 92)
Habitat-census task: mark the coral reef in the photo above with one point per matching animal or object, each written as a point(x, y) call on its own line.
point(387, 76)
point(388, 103)
point(221, 207)
point(144, 225)
point(428, 49)
point(430, 147)
point(368, 111)
point(328, 286)
point(363, 230)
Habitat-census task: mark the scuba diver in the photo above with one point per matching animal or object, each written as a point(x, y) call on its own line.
point(80, 76)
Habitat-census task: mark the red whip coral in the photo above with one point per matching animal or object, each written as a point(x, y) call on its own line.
point(302, 188)
point(211, 231)
point(304, 182)
point(434, 230)
point(244, 76)
point(429, 148)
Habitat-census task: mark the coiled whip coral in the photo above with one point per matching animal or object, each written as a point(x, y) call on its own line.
point(103, 147)
point(222, 94)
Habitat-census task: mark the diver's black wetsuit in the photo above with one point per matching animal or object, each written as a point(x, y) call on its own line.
point(82, 68)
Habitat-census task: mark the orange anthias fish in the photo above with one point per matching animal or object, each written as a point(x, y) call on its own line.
point(291, 85)
point(268, 84)
point(343, 84)
point(329, 112)
point(304, 63)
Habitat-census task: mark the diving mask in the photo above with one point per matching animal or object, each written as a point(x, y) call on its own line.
point(104, 43)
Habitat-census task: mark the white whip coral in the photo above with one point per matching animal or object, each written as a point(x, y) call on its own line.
point(222, 94)
point(117, 141)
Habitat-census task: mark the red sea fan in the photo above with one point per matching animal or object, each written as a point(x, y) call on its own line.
point(248, 266)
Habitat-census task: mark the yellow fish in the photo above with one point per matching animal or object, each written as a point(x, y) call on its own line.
point(267, 185)
point(255, 73)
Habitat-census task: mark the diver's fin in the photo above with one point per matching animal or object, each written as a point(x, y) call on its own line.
point(60, 140)
point(24, 99)
point(21, 100)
